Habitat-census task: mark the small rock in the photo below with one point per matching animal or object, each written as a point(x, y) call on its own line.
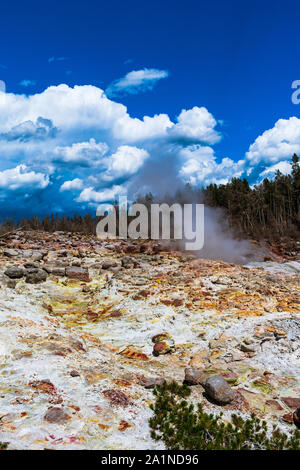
point(75, 272)
point(152, 382)
point(30, 264)
point(123, 425)
point(10, 253)
point(274, 404)
point(296, 417)
point(115, 269)
point(248, 348)
point(11, 283)
point(86, 289)
point(237, 356)
point(14, 272)
point(218, 343)
point(164, 344)
point(288, 418)
point(116, 397)
point(291, 402)
point(74, 373)
point(37, 255)
point(55, 270)
point(218, 389)
point(194, 377)
point(128, 262)
point(160, 337)
point(35, 276)
point(56, 415)
point(109, 263)
point(162, 347)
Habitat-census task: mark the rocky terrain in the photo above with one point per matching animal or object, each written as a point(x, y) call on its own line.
point(88, 327)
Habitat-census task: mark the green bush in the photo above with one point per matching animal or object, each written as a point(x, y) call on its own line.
point(3, 445)
point(180, 426)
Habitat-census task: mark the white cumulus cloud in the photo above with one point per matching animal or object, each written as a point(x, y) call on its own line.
point(201, 167)
point(124, 162)
point(81, 153)
point(64, 129)
point(19, 177)
point(91, 195)
point(278, 143)
point(71, 185)
point(195, 124)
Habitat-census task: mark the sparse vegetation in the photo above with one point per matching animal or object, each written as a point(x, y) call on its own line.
point(180, 426)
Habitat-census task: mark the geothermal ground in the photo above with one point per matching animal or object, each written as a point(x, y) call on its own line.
point(77, 319)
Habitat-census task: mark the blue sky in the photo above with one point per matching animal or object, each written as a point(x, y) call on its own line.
point(186, 91)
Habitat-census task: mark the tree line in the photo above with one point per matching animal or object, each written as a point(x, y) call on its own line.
point(267, 210)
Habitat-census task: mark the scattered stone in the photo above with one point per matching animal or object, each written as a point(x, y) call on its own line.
point(35, 276)
point(43, 385)
point(109, 263)
point(11, 283)
point(152, 382)
point(33, 255)
point(80, 273)
point(55, 270)
point(248, 348)
point(128, 262)
point(275, 405)
point(123, 425)
point(288, 418)
point(218, 343)
point(74, 373)
point(10, 253)
point(161, 337)
point(116, 397)
point(14, 272)
point(296, 417)
point(134, 353)
point(291, 402)
point(218, 389)
point(30, 264)
point(115, 313)
point(160, 348)
point(56, 415)
point(37, 255)
point(237, 356)
point(194, 377)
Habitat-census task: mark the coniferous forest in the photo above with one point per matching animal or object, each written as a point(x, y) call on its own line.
point(269, 210)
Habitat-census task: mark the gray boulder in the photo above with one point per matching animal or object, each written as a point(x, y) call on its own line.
point(55, 270)
point(35, 276)
point(195, 377)
point(10, 253)
point(127, 262)
point(218, 389)
point(109, 263)
point(151, 382)
point(14, 272)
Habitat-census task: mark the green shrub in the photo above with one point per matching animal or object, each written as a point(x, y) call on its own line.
point(3, 445)
point(180, 426)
